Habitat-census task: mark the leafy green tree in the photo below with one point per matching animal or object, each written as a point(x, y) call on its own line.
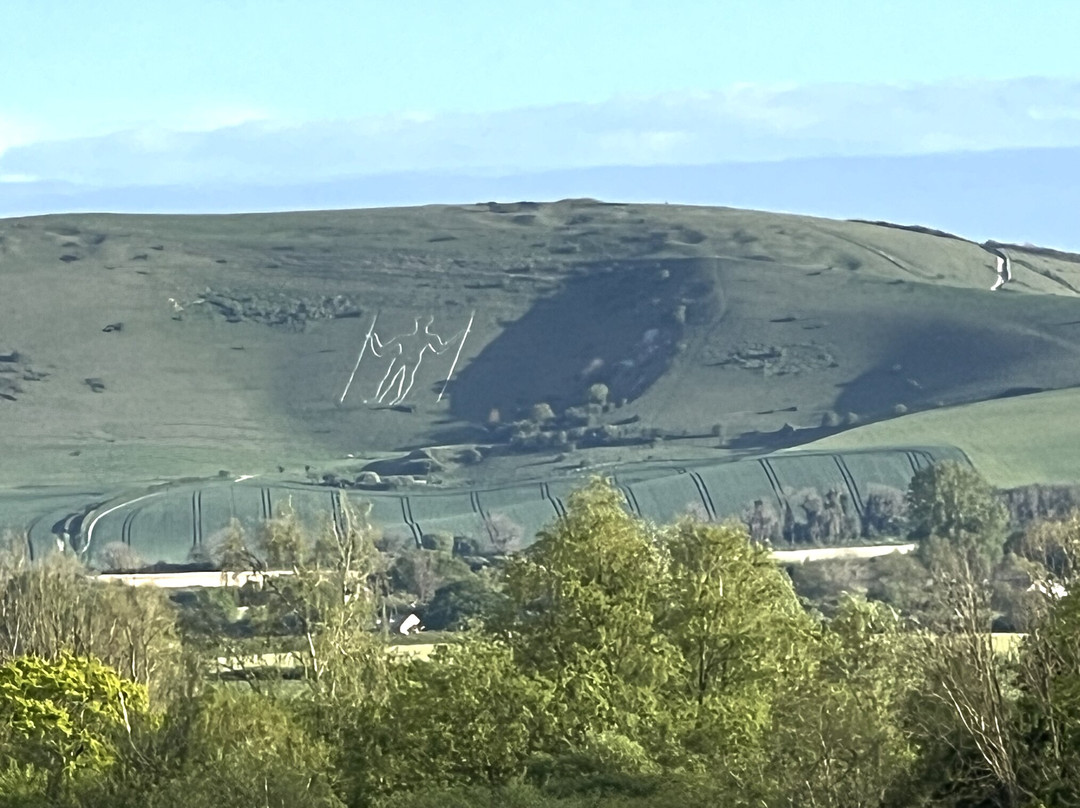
point(65, 716)
point(240, 749)
point(469, 715)
point(763, 522)
point(581, 613)
point(1049, 667)
point(841, 738)
point(952, 501)
point(328, 595)
point(423, 572)
point(739, 631)
point(884, 512)
point(458, 602)
point(52, 606)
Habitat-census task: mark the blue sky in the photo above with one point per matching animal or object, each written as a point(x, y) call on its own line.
point(90, 67)
point(119, 93)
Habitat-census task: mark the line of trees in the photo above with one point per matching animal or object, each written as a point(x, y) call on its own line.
point(810, 517)
point(614, 662)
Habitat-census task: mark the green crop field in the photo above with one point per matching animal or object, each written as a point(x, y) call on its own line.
point(1012, 441)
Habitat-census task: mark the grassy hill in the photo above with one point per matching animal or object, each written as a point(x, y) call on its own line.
point(140, 349)
point(1013, 441)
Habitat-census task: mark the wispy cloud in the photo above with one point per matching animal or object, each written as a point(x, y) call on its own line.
point(14, 132)
point(743, 123)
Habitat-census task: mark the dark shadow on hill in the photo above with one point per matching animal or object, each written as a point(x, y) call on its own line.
point(786, 437)
point(935, 363)
point(955, 348)
point(615, 323)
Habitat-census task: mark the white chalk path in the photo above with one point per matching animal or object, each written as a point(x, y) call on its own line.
point(1004, 269)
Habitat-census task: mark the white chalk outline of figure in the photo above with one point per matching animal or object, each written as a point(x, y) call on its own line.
point(377, 345)
point(397, 373)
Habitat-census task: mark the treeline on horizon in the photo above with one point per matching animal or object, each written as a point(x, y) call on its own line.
point(613, 662)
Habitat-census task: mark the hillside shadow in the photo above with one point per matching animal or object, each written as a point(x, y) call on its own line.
point(943, 362)
point(616, 323)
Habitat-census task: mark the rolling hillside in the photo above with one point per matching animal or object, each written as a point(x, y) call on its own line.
point(139, 350)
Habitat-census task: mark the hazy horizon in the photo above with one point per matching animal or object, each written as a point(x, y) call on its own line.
point(206, 108)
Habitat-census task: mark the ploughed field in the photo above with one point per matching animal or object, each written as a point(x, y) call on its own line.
point(502, 344)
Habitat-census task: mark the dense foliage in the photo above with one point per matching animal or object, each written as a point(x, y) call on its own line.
point(613, 662)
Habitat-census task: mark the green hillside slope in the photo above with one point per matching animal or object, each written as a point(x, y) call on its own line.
point(1013, 441)
point(138, 349)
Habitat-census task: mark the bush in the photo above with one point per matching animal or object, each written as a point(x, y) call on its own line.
point(116, 556)
point(953, 502)
point(440, 541)
point(598, 394)
point(541, 413)
point(458, 602)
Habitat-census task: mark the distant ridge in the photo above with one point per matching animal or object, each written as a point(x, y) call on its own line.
point(1016, 196)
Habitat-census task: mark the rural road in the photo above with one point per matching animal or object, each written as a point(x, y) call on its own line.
point(183, 580)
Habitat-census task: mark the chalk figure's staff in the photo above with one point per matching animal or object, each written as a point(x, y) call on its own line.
point(363, 348)
point(457, 355)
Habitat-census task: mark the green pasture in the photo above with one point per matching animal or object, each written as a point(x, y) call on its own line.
point(1012, 441)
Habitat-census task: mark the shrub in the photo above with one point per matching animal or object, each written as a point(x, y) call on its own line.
point(116, 556)
point(598, 394)
point(440, 541)
point(457, 602)
point(542, 412)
